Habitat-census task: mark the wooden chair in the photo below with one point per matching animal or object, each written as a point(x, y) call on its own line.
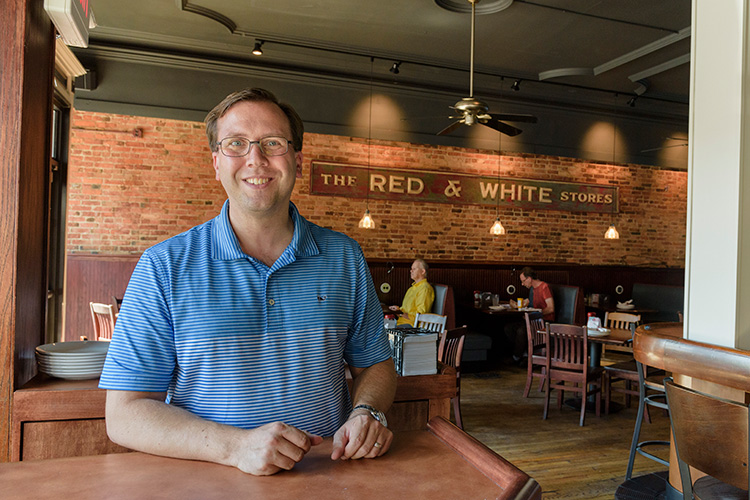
point(431, 322)
point(103, 318)
point(450, 350)
point(711, 435)
point(624, 371)
point(535, 350)
point(116, 305)
point(567, 360)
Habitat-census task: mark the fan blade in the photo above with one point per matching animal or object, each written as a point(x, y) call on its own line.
point(450, 128)
point(502, 127)
point(514, 118)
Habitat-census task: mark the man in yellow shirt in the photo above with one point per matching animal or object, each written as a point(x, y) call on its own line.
point(419, 297)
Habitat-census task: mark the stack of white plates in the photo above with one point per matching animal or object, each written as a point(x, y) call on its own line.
point(77, 360)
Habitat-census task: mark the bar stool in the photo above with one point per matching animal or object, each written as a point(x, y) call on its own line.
point(652, 393)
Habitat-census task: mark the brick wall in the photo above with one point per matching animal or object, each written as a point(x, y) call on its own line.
point(126, 193)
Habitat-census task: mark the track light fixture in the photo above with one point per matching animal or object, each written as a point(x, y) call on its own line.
point(394, 68)
point(631, 102)
point(516, 86)
point(257, 50)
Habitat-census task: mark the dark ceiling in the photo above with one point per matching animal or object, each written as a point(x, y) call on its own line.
point(627, 46)
point(583, 56)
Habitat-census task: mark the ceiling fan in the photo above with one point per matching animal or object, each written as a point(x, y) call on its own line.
point(683, 143)
point(473, 110)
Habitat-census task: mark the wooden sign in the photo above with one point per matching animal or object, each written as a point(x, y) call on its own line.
point(354, 181)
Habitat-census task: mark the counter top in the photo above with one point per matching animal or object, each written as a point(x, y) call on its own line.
point(438, 464)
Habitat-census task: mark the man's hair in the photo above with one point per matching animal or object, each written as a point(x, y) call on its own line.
point(253, 95)
point(422, 264)
point(528, 272)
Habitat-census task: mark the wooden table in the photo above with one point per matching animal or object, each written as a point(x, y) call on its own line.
point(55, 418)
point(443, 463)
point(616, 336)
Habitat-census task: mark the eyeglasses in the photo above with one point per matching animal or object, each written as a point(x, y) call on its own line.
point(239, 146)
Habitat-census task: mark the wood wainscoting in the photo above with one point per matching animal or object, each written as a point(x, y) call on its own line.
point(96, 278)
point(92, 278)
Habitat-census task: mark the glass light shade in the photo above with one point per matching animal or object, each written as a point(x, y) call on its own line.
point(497, 228)
point(612, 233)
point(367, 221)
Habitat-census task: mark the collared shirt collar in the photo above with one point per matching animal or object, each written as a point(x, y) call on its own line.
point(226, 246)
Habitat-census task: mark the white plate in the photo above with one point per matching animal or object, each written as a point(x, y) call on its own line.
point(74, 348)
point(625, 307)
point(499, 308)
point(73, 375)
point(71, 366)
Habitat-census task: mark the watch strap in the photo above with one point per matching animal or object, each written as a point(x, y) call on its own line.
point(374, 412)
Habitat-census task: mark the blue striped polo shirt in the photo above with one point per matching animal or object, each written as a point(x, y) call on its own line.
point(234, 341)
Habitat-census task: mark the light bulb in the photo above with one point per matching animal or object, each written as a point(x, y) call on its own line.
point(497, 228)
point(612, 233)
point(367, 221)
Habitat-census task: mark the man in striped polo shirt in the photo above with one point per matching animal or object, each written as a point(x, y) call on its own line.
point(233, 337)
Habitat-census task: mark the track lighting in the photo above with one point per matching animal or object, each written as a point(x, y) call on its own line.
point(631, 102)
point(257, 50)
point(516, 86)
point(394, 68)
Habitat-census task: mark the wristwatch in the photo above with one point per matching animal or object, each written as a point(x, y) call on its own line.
point(374, 413)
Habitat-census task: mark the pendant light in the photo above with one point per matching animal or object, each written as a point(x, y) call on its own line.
point(497, 228)
point(611, 233)
point(367, 222)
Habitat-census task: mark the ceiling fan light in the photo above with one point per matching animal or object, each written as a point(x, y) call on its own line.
point(612, 233)
point(367, 222)
point(497, 228)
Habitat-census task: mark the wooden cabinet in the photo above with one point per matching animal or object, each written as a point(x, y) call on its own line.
point(54, 418)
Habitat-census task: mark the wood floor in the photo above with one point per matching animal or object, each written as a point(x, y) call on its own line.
point(568, 461)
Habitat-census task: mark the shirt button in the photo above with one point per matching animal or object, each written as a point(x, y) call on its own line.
point(271, 302)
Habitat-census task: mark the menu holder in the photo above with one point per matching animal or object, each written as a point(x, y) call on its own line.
point(414, 350)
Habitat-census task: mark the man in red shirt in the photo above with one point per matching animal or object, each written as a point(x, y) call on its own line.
point(540, 297)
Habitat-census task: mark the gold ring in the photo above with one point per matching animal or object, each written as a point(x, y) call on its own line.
point(377, 445)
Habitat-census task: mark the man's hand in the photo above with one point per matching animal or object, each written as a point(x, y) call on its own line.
point(272, 447)
point(361, 437)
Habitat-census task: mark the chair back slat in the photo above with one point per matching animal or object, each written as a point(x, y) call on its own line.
point(431, 322)
point(103, 319)
point(534, 329)
point(569, 347)
point(621, 320)
point(710, 433)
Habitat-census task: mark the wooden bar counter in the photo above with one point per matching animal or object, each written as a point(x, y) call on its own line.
point(55, 418)
point(442, 463)
point(716, 370)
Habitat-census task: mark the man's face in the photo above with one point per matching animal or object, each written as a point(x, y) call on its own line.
point(525, 281)
point(256, 184)
point(416, 272)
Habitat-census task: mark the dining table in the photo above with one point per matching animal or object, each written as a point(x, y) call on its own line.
point(442, 462)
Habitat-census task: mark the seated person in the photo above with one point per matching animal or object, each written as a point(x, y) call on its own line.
point(419, 297)
point(540, 297)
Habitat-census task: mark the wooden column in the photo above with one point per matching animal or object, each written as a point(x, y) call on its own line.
point(27, 62)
